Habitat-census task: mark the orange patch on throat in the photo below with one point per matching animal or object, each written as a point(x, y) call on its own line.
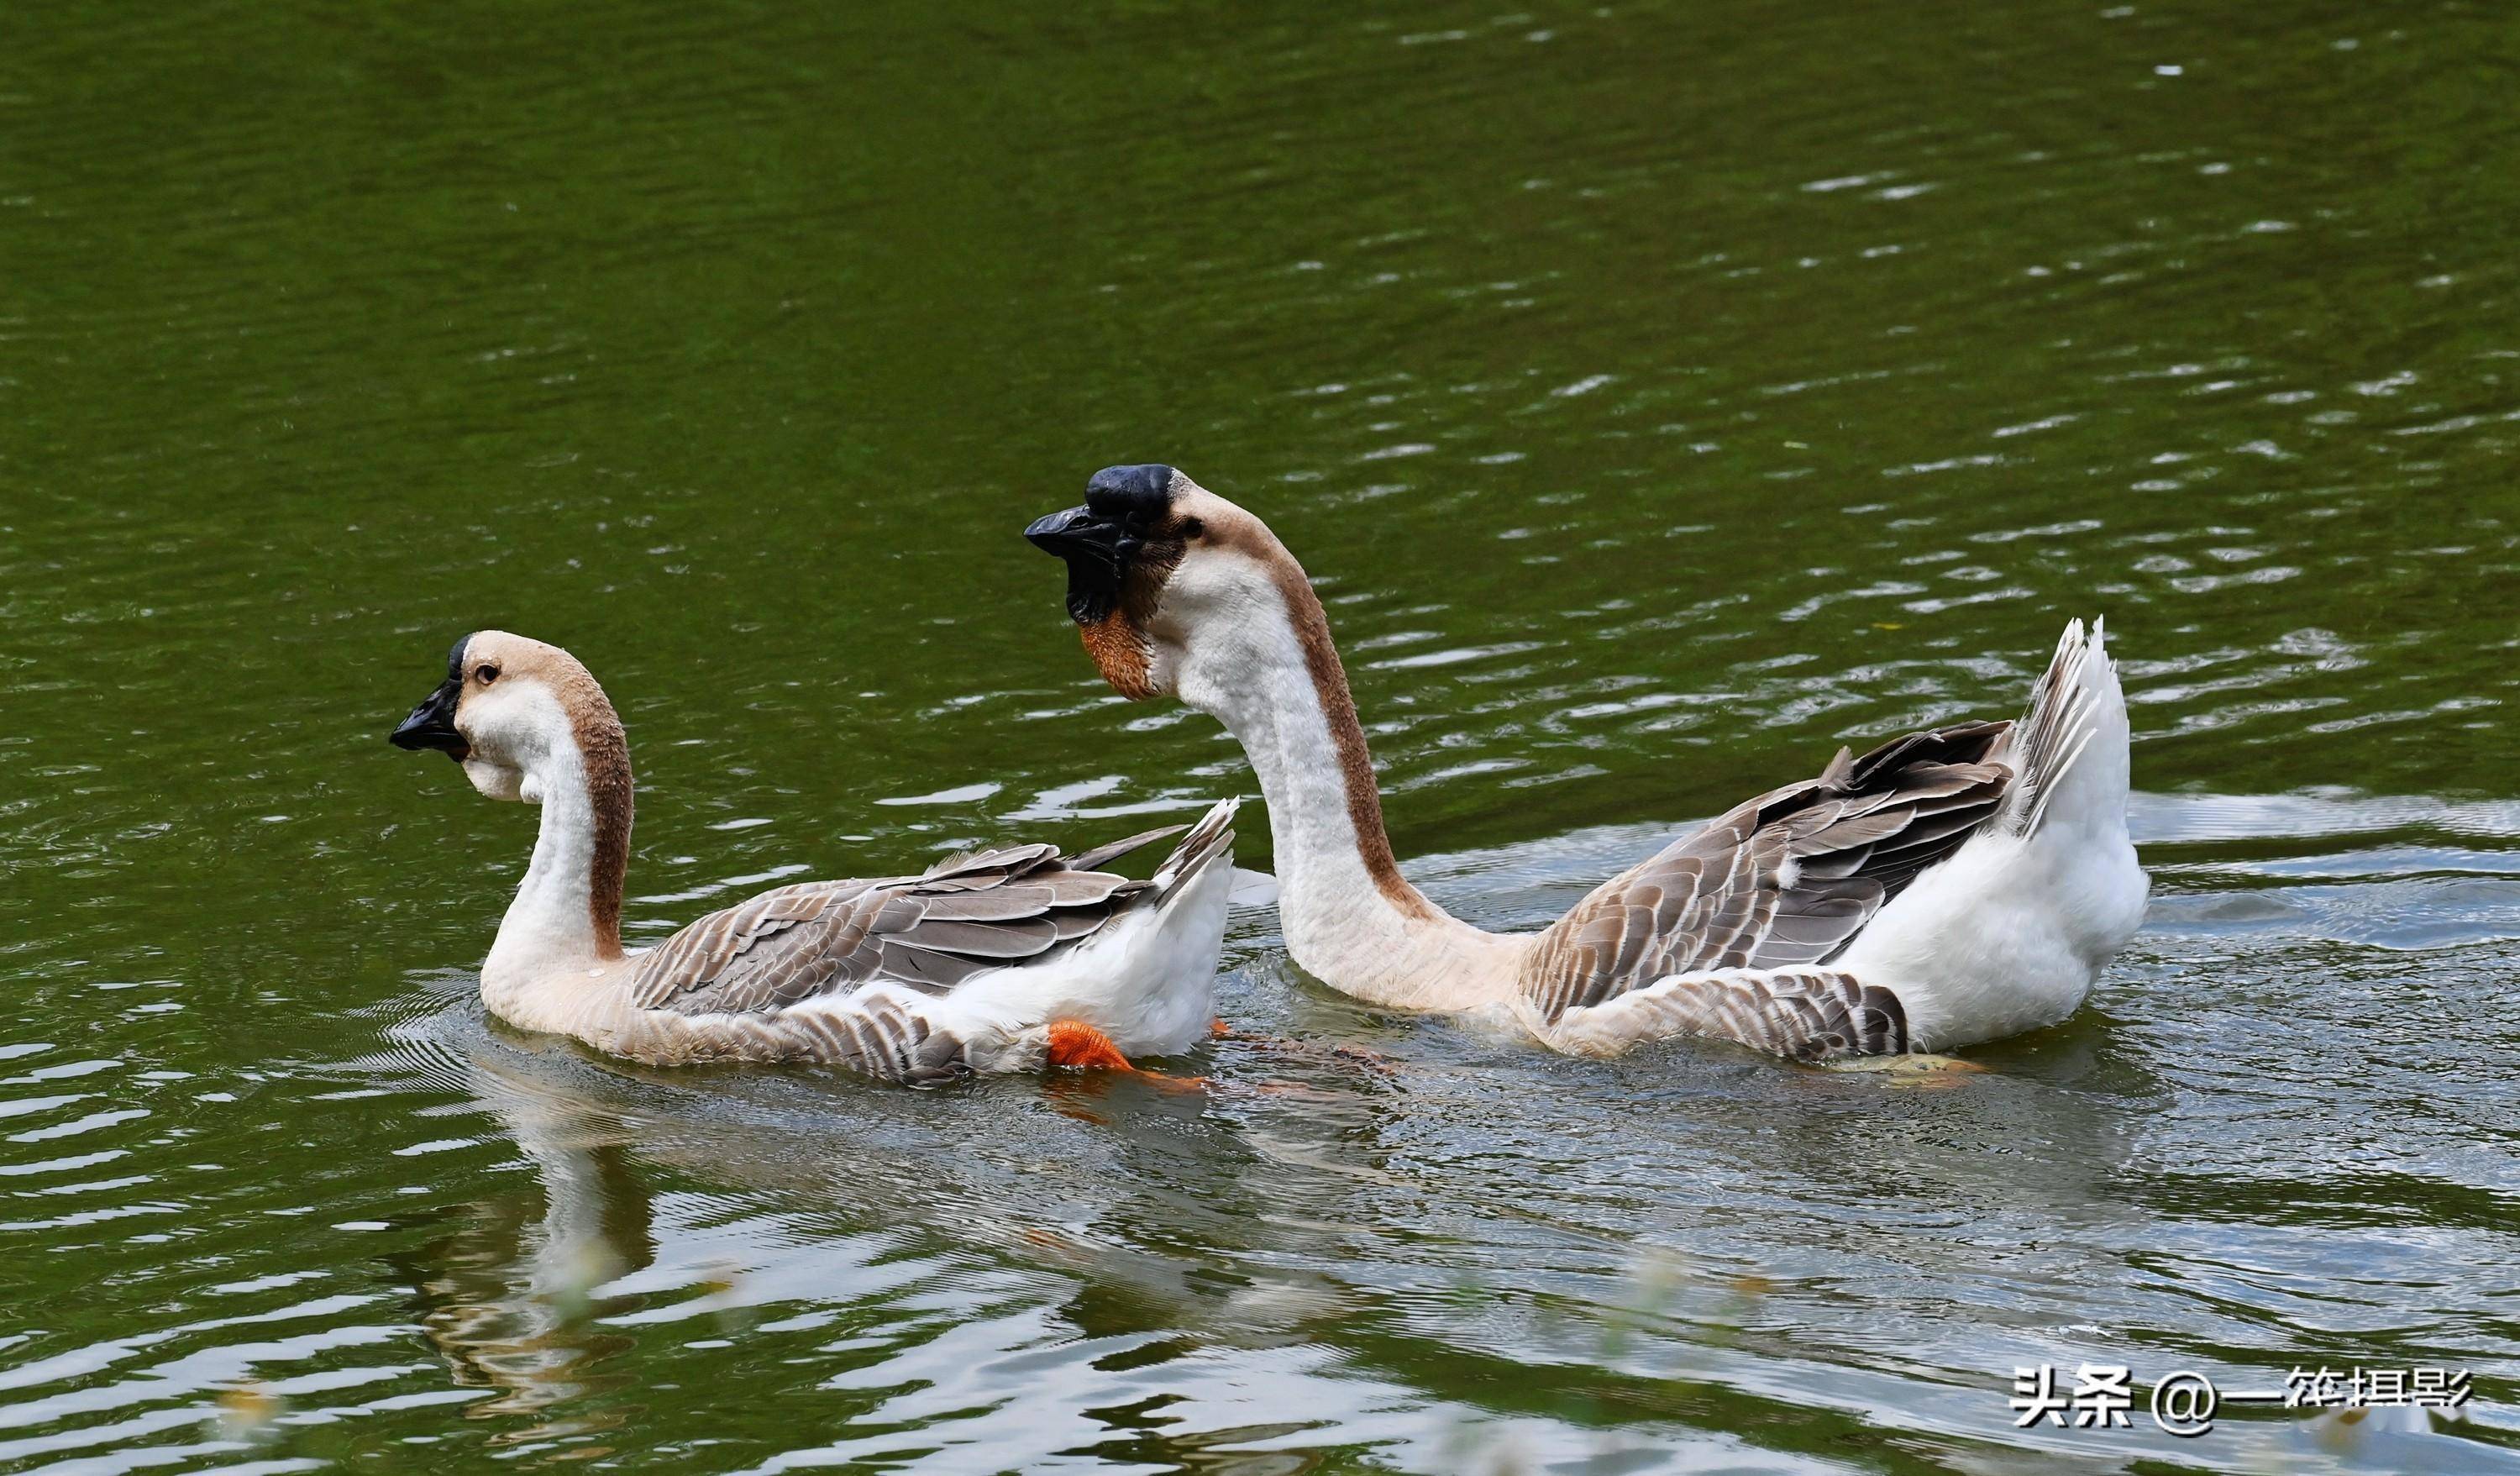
point(1119, 652)
point(1074, 1043)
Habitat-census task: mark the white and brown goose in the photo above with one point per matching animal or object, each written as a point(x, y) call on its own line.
point(1946, 888)
point(1009, 960)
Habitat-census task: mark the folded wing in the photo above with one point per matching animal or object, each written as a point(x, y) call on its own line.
point(1804, 1014)
point(1785, 881)
point(928, 933)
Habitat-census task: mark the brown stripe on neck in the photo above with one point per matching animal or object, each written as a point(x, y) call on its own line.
point(1347, 736)
point(605, 752)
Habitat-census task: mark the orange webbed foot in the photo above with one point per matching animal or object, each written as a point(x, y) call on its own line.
point(1074, 1043)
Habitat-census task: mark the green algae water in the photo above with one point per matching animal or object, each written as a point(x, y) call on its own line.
point(1661, 395)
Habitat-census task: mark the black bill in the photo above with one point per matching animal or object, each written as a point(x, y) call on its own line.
point(1123, 505)
point(431, 724)
point(1096, 551)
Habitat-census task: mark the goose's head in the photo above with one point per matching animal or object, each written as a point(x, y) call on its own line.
point(1160, 570)
point(508, 708)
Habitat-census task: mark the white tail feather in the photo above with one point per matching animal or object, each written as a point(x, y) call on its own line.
point(2010, 932)
point(2071, 703)
point(1212, 838)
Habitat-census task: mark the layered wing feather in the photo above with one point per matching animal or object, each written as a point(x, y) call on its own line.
point(882, 1035)
point(1782, 883)
point(928, 933)
point(1804, 1015)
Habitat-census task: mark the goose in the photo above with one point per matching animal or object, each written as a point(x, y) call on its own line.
point(1945, 889)
point(1009, 959)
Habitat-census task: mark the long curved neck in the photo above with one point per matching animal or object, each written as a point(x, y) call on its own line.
point(1275, 680)
point(567, 911)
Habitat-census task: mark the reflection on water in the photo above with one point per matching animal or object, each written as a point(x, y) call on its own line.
point(510, 1289)
point(1663, 395)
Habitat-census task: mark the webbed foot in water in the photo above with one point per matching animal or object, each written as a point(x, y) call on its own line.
point(1917, 1071)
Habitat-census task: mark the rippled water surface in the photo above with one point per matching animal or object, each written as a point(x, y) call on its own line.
point(1661, 396)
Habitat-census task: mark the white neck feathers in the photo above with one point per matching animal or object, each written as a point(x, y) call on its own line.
point(1261, 662)
point(567, 916)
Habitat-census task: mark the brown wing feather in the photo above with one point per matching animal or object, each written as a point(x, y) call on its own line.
point(1804, 1014)
point(928, 933)
point(1721, 899)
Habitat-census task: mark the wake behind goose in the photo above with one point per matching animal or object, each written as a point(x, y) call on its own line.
point(1007, 960)
point(1944, 889)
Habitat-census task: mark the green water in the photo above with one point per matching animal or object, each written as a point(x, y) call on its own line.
point(1661, 395)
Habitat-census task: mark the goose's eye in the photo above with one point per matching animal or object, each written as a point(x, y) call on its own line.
point(485, 675)
point(1190, 528)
